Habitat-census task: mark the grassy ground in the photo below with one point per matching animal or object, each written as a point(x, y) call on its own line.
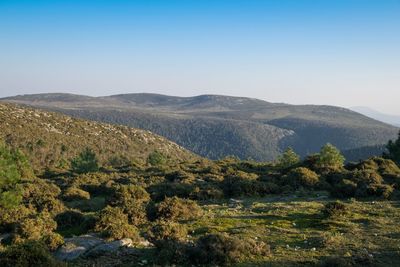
point(297, 231)
point(299, 234)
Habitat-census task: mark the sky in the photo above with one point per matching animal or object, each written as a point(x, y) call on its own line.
point(337, 52)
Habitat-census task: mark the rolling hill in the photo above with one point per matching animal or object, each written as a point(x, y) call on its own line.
point(51, 139)
point(216, 126)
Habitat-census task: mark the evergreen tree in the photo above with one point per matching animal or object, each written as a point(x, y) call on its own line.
point(156, 158)
point(12, 164)
point(393, 150)
point(288, 159)
point(330, 157)
point(85, 162)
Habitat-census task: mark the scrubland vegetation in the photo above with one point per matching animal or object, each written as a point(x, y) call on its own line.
point(173, 208)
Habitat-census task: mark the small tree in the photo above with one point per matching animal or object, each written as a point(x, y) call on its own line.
point(288, 159)
point(85, 162)
point(10, 176)
point(394, 150)
point(156, 158)
point(330, 157)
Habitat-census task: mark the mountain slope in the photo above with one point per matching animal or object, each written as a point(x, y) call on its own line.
point(216, 126)
point(390, 119)
point(50, 139)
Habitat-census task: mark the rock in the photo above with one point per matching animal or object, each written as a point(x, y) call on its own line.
point(110, 246)
point(76, 246)
point(146, 243)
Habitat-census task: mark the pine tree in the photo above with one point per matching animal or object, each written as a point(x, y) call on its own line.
point(288, 159)
point(330, 157)
point(85, 162)
point(10, 176)
point(394, 150)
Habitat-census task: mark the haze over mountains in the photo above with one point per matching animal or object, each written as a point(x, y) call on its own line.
point(390, 119)
point(215, 126)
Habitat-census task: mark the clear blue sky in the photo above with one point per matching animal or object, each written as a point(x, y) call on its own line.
point(339, 52)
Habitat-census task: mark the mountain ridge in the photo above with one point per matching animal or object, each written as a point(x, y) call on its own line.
point(216, 126)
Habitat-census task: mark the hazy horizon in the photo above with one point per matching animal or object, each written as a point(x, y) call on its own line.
point(342, 53)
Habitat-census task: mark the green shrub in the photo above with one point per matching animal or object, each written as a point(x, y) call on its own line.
point(330, 157)
point(85, 162)
point(74, 193)
point(222, 249)
point(42, 196)
point(69, 219)
point(171, 253)
point(303, 177)
point(156, 158)
point(167, 230)
point(35, 227)
point(113, 224)
point(335, 209)
point(119, 161)
point(288, 159)
point(131, 199)
point(206, 192)
point(380, 190)
point(53, 241)
point(393, 148)
point(367, 177)
point(13, 166)
point(29, 253)
point(177, 209)
point(162, 190)
point(344, 188)
point(9, 218)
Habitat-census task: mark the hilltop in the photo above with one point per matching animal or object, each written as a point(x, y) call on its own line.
point(50, 139)
point(215, 126)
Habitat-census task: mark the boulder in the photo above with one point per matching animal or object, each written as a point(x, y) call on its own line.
point(77, 246)
point(110, 247)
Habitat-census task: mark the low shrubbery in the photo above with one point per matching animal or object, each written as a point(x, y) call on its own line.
point(30, 253)
point(113, 224)
point(222, 249)
point(74, 193)
point(334, 209)
point(177, 209)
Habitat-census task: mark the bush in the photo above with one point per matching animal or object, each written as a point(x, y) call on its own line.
point(156, 158)
point(367, 177)
point(53, 241)
point(303, 177)
point(74, 193)
point(167, 230)
point(393, 148)
point(177, 209)
point(119, 161)
point(85, 162)
point(288, 159)
point(344, 188)
point(11, 170)
point(330, 157)
point(334, 209)
point(221, 249)
point(69, 219)
point(42, 196)
point(35, 227)
point(170, 253)
point(162, 190)
point(113, 224)
point(131, 199)
point(30, 253)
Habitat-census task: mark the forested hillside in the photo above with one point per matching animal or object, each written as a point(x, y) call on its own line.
point(217, 126)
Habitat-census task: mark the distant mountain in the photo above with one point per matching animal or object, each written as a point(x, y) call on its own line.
point(216, 126)
point(50, 139)
point(369, 112)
